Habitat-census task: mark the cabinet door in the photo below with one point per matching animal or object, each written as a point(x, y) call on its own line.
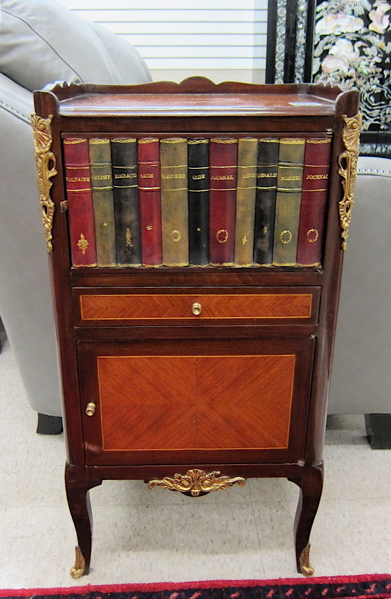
point(189, 401)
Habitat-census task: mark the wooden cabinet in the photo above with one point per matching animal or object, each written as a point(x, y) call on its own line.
point(195, 378)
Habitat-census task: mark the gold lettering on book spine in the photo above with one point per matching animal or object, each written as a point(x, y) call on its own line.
point(46, 168)
point(347, 163)
point(196, 482)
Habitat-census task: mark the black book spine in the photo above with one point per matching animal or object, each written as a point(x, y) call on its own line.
point(198, 197)
point(265, 203)
point(126, 204)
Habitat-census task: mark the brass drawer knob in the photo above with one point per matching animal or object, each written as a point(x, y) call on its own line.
point(90, 409)
point(196, 309)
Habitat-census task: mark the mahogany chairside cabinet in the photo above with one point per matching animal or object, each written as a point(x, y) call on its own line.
point(194, 373)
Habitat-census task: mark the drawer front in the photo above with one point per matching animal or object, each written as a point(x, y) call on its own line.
point(277, 305)
point(195, 402)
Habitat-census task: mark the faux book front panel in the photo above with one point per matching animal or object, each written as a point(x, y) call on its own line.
point(178, 404)
point(176, 201)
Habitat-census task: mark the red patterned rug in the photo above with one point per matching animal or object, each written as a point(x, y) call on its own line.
point(376, 586)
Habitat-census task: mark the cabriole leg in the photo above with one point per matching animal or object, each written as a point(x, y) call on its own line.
point(311, 484)
point(77, 490)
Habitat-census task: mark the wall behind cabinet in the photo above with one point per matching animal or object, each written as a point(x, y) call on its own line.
point(220, 39)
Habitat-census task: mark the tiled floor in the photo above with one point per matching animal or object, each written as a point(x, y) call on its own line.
point(153, 536)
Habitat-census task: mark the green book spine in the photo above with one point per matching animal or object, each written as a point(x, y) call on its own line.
point(102, 191)
point(245, 201)
point(175, 213)
point(126, 201)
point(289, 186)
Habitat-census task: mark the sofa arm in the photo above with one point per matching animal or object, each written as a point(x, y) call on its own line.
point(25, 302)
point(361, 377)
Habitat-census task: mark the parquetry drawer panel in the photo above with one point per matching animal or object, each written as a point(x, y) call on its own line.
point(301, 306)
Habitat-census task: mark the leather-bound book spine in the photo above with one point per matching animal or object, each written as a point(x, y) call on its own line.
point(148, 164)
point(289, 186)
point(313, 201)
point(80, 204)
point(198, 198)
point(223, 160)
point(265, 203)
point(175, 213)
point(126, 207)
point(102, 192)
point(245, 201)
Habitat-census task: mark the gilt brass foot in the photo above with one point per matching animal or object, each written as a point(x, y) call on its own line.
point(78, 569)
point(304, 561)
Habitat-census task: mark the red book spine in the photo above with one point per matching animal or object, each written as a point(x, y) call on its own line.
point(150, 201)
point(222, 199)
point(313, 201)
point(80, 203)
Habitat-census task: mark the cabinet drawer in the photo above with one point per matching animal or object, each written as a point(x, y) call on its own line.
point(275, 305)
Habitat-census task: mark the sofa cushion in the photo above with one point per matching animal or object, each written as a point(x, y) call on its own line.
point(43, 41)
point(129, 64)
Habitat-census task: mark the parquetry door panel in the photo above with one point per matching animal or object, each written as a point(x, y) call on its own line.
point(239, 399)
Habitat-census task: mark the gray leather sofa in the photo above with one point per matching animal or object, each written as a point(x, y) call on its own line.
point(41, 42)
point(361, 376)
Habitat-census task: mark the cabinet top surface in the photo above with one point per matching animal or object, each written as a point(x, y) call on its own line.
point(196, 96)
point(190, 104)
